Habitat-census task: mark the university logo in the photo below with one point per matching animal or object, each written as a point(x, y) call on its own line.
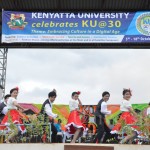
point(143, 24)
point(17, 21)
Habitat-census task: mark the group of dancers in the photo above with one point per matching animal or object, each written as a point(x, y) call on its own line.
point(104, 133)
point(10, 108)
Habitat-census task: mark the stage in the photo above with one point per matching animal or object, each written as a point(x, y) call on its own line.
point(65, 146)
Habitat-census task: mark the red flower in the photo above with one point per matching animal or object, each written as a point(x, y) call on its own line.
point(78, 92)
point(17, 88)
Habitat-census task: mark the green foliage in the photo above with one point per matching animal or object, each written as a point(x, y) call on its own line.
point(36, 126)
point(142, 123)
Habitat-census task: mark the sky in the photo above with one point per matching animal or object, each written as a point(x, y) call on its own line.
point(92, 71)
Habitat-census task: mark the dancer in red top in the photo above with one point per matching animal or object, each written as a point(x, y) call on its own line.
point(74, 125)
point(128, 115)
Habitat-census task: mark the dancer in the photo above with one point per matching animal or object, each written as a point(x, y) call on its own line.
point(128, 115)
point(74, 125)
point(3, 107)
point(13, 116)
point(101, 111)
point(47, 111)
point(148, 110)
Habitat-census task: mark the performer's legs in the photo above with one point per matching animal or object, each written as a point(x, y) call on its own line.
point(76, 135)
point(100, 132)
point(1, 117)
point(59, 138)
point(132, 138)
point(54, 133)
point(108, 134)
point(12, 135)
point(129, 138)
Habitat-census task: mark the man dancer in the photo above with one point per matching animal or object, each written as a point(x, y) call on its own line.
point(3, 107)
point(47, 111)
point(101, 111)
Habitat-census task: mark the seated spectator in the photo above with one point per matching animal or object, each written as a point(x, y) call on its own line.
point(59, 131)
point(58, 125)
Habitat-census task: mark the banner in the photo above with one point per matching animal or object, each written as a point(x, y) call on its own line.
point(63, 111)
point(66, 27)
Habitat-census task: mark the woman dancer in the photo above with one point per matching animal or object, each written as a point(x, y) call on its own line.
point(13, 115)
point(148, 110)
point(74, 125)
point(128, 115)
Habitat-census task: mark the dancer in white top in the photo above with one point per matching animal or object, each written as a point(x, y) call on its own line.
point(74, 125)
point(148, 110)
point(101, 111)
point(3, 107)
point(13, 114)
point(128, 115)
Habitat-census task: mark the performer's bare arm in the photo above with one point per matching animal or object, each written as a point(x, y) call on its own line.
point(132, 111)
point(18, 106)
point(80, 112)
point(80, 103)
